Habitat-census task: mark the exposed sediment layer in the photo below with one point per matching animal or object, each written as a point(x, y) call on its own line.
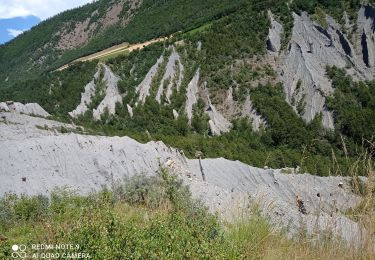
point(36, 161)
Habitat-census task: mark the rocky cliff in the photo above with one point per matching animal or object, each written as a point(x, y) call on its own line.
point(302, 66)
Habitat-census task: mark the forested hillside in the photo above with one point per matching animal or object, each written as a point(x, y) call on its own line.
point(100, 25)
point(106, 23)
point(215, 86)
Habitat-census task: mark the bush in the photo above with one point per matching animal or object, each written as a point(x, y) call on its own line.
point(106, 226)
point(21, 209)
point(141, 190)
point(146, 217)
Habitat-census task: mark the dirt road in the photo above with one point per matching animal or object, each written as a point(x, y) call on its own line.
point(113, 50)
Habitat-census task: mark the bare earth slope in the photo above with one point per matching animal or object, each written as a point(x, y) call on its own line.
point(35, 161)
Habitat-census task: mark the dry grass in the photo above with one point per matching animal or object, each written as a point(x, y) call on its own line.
point(114, 51)
point(364, 214)
point(256, 239)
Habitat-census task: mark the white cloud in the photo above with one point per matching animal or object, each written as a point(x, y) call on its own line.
point(14, 33)
point(40, 8)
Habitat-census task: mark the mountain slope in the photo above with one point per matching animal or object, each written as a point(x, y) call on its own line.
point(100, 25)
point(87, 163)
point(252, 85)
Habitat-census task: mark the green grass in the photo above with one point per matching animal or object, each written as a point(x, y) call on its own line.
point(152, 218)
point(199, 29)
point(320, 17)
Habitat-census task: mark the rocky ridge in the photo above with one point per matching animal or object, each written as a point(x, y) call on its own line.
point(36, 160)
point(112, 94)
point(28, 109)
point(111, 98)
point(174, 73)
point(311, 49)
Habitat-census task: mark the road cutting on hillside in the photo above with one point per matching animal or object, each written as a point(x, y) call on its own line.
point(121, 48)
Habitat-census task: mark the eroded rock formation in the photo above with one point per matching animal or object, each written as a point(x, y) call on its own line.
point(191, 95)
point(35, 160)
point(112, 94)
point(86, 97)
point(174, 72)
point(302, 67)
point(28, 109)
point(143, 89)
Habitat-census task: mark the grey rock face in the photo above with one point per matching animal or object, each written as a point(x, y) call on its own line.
point(86, 97)
point(112, 94)
point(230, 186)
point(191, 95)
point(302, 71)
point(199, 45)
point(28, 109)
point(82, 162)
point(143, 89)
point(274, 35)
point(4, 107)
point(175, 114)
point(174, 72)
point(47, 160)
point(130, 110)
point(366, 36)
point(249, 111)
point(15, 126)
point(217, 123)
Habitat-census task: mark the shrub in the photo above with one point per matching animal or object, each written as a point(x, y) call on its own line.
point(141, 189)
point(15, 208)
point(106, 226)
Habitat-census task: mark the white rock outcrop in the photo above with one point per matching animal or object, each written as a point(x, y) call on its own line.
point(175, 114)
point(174, 72)
point(28, 109)
point(36, 161)
point(218, 123)
point(86, 97)
point(4, 107)
point(249, 111)
point(199, 45)
point(274, 35)
point(143, 89)
point(191, 95)
point(130, 110)
point(112, 94)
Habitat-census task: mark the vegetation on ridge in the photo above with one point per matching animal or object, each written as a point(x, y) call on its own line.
point(353, 104)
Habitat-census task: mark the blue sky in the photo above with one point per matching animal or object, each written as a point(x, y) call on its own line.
point(17, 16)
point(10, 28)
